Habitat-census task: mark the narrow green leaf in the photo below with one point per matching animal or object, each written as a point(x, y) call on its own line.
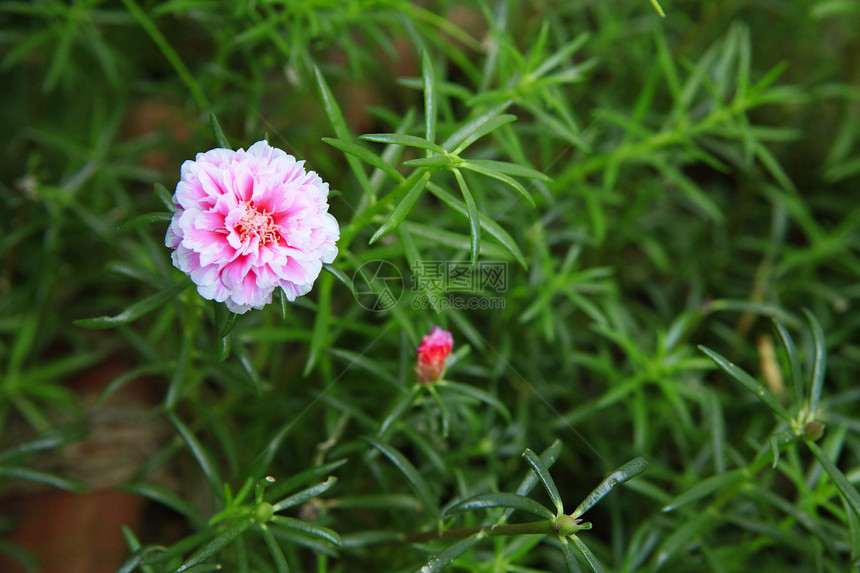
point(685, 533)
point(561, 55)
point(492, 500)
point(412, 475)
point(717, 429)
point(471, 165)
point(478, 394)
point(218, 133)
point(590, 558)
point(403, 139)
point(483, 129)
point(772, 165)
point(848, 492)
point(403, 208)
point(167, 498)
point(670, 71)
point(53, 369)
point(332, 109)
point(40, 9)
point(819, 364)
point(304, 495)
point(769, 310)
point(569, 556)
point(223, 348)
point(553, 126)
point(155, 34)
point(216, 544)
point(136, 310)
point(442, 560)
point(470, 127)
point(103, 53)
point(298, 480)
point(705, 488)
point(44, 478)
point(247, 363)
point(474, 216)
point(341, 276)
point(538, 47)
point(414, 258)
point(400, 406)
point(391, 154)
point(623, 474)
point(355, 359)
point(380, 501)
point(444, 414)
point(158, 217)
point(275, 550)
point(797, 382)
point(853, 537)
point(338, 123)
point(508, 168)
point(787, 506)
point(164, 196)
point(138, 556)
point(435, 161)
point(49, 440)
point(204, 460)
point(749, 383)
point(179, 375)
point(543, 474)
point(490, 226)
point(436, 237)
point(309, 528)
point(365, 155)
point(694, 193)
point(285, 306)
point(225, 320)
point(780, 439)
point(430, 98)
point(549, 456)
point(320, 335)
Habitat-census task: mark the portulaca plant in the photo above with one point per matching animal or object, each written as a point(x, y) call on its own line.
point(474, 285)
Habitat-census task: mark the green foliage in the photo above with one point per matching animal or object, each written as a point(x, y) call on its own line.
point(639, 222)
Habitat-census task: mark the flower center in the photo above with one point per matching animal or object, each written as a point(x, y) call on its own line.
point(258, 224)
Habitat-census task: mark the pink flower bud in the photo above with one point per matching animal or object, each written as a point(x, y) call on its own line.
point(435, 348)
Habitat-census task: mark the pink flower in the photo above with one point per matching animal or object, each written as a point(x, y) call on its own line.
point(248, 222)
point(435, 348)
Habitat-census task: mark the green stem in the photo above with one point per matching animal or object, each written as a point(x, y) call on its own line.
point(30, 412)
point(546, 527)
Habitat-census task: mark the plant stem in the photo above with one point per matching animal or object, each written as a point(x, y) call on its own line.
point(545, 527)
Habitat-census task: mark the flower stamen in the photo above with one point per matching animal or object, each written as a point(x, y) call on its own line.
point(258, 224)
